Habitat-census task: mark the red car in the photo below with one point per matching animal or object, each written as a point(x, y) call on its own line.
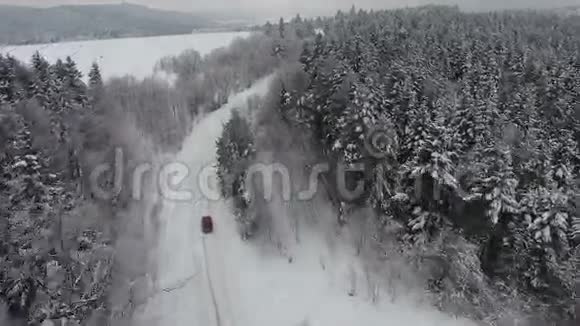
point(207, 224)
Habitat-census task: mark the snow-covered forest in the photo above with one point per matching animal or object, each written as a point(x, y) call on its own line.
point(463, 129)
point(66, 249)
point(473, 120)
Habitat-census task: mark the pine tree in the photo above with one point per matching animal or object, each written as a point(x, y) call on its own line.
point(282, 28)
point(330, 105)
point(42, 86)
point(361, 115)
point(61, 99)
point(95, 79)
point(28, 196)
point(306, 57)
point(575, 233)
point(75, 83)
point(60, 70)
point(431, 168)
point(465, 120)
point(499, 186)
point(546, 266)
point(8, 92)
point(235, 151)
point(234, 147)
point(95, 87)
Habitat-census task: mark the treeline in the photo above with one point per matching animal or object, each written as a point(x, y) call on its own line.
point(467, 127)
point(207, 82)
point(56, 246)
point(263, 54)
point(235, 152)
point(63, 211)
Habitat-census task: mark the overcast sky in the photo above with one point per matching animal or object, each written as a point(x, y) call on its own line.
point(290, 7)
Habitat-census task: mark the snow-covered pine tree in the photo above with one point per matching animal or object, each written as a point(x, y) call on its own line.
point(331, 103)
point(28, 195)
point(457, 60)
point(60, 70)
point(235, 151)
point(575, 232)
point(32, 256)
point(282, 28)
point(544, 257)
point(546, 212)
point(306, 57)
point(385, 178)
point(416, 127)
point(319, 46)
point(563, 155)
point(397, 99)
point(75, 83)
point(95, 78)
point(8, 92)
point(42, 86)
point(62, 96)
point(464, 119)
point(429, 172)
point(363, 113)
point(499, 185)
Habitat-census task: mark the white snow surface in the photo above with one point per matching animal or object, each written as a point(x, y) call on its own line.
point(124, 56)
point(250, 286)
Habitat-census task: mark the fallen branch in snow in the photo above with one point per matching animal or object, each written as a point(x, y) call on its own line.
point(85, 301)
point(180, 285)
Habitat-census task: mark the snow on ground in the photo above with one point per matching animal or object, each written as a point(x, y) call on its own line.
point(126, 56)
point(233, 283)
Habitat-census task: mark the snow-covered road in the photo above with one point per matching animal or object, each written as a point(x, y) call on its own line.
point(244, 285)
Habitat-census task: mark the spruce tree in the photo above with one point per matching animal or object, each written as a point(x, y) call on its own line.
point(235, 151)
point(8, 92)
point(60, 70)
point(282, 28)
point(75, 83)
point(95, 87)
point(26, 221)
point(42, 85)
point(234, 147)
point(95, 78)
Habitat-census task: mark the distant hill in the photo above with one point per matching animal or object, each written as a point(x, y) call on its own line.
point(22, 25)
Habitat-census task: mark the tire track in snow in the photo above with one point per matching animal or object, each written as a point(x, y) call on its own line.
point(210, 283)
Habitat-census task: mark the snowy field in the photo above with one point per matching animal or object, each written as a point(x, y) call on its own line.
point(128, 56)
